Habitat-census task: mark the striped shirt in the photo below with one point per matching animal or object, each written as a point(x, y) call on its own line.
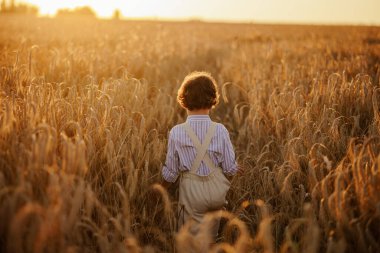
point(182, 152)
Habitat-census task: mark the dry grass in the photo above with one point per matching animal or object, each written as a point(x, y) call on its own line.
point(85, 108)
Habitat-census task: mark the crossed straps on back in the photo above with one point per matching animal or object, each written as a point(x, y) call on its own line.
point(202, 154)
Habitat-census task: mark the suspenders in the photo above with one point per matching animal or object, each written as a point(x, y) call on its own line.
point(202, 154)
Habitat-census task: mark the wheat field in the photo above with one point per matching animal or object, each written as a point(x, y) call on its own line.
point(85, 110)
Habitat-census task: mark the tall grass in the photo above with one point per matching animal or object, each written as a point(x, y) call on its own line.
point(84, 116)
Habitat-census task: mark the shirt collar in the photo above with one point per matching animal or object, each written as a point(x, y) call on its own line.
point(198, 118)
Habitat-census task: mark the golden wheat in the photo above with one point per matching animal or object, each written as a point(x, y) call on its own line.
point(84, 116)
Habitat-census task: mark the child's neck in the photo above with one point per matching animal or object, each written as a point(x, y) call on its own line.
point(199, 112)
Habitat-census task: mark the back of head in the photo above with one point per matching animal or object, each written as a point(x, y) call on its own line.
point(198, 91)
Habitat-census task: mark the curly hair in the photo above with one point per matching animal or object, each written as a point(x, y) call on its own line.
point(198, 91)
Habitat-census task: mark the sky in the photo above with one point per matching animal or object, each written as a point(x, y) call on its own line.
point(265, 11)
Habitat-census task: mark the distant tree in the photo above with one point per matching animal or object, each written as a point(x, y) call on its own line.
point(116, 14)
point(84, 11)
point(13, 6)
point(21, 8)
point(3, 6)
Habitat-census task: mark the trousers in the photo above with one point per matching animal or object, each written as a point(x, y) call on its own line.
point(201, 194)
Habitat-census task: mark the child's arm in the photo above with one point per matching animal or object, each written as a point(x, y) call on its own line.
point(170, 169)
point(229, 164)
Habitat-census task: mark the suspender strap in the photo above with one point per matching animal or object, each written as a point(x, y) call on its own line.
point(202, 154)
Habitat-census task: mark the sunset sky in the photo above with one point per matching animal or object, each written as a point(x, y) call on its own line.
point(275, 11)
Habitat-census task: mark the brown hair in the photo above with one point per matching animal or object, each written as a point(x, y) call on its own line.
point(198, 91)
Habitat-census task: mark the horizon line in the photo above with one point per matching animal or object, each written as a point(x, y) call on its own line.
point(209, 20)
point(227, 21)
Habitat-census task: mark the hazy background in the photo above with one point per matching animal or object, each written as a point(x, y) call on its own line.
point(272, 11)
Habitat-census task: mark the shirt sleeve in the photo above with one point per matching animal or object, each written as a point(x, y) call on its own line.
point(229, 164)
point(170, 169)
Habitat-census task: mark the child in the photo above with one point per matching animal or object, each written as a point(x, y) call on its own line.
point(199, 150)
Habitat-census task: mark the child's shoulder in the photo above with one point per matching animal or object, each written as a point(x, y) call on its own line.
point(176, 129)
point(221, 128)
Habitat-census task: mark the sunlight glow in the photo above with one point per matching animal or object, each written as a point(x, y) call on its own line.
point(105, 8)
point(291, 11)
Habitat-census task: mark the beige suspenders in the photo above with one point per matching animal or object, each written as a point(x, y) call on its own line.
point(202, 154)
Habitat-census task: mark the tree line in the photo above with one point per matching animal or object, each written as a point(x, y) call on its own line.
point(10, 7)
